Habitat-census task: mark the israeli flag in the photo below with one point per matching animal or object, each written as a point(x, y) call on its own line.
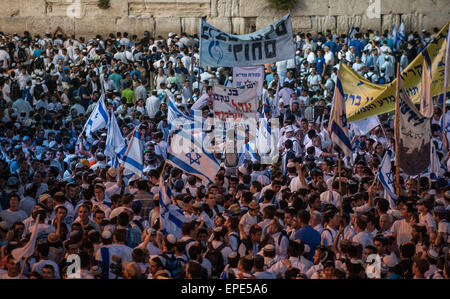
point(187, 153)
point(435, 169)
point(264, 137)
point(386, 176)
point(172, 218)
point(115, 143)
point(351, 35)
point(338, 124)
point(176, 118)
point(395, 36)
point(98, 119)
point(400, 36)
point(133, 159)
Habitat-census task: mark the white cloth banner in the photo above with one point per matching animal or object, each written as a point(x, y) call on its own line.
point(364, 126)
point(238, 103)
point(244, 75)
point(270, 44)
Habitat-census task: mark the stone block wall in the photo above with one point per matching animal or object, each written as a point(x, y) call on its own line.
point(160, 17)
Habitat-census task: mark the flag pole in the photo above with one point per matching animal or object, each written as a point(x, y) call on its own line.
point(397, 129)
point(340, 183)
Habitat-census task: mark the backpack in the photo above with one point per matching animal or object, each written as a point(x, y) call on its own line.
point(173, 265)
point(360, 158)
point(216, 258)
point(38, 91)
point(238, 239)
point(15, 90)
point(38, 64)
point(22, 55)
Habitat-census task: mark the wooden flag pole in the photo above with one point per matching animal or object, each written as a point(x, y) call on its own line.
point(397, 129)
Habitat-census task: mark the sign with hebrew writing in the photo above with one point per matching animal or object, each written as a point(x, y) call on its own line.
point(270, 44)
point(364, 99)
point(243, 75)
point(413, 146)
point(238, 103)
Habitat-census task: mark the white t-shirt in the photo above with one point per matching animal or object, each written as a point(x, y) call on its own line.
point(402, 230)
point(247, 221)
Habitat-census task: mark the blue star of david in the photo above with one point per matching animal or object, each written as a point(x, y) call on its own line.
point(193, 160)
point(389, 178)
point(96, 115)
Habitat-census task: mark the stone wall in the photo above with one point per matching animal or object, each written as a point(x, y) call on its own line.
point(160, 17)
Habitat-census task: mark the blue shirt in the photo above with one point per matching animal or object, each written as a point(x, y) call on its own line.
point(332, 46)
point(309, 236)
point(358, 47)
point(320, 62)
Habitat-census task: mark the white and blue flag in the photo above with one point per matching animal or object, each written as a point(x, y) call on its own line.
point(187, 153)
point(98, 119)
point(351, 35)
point(386, 176)
point(399, 35)
point(116, 145)
point(172, 217)
point(264, 137)
point(133, 159)
point(338, 124)
point(175, 117)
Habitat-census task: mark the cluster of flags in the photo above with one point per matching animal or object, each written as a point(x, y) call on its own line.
point(398, 35)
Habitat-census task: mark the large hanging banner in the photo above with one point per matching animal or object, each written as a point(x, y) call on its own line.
point(270, 44)
point(365, 99)
point(244, 75)
point(238, 103)
point(413, 148)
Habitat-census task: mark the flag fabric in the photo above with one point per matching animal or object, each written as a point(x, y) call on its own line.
point(386, 176)
point(115, 143)
point(338, 125)
point(98, 119)
point(435, 169)
point(175, 117)
point(133, 159)
point(364, 126)
point(395, 36)
point(413, 146)
point(426, 97)
point(351, 35)
point(263, 139)
point(172, 217)
point(187, 153)
point(399, 35)
point(27, 250)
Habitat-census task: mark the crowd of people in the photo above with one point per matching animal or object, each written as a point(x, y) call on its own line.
point(298, 218)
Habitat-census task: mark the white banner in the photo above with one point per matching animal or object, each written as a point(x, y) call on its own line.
point(244, 75)
point(238, 103)
point(270, 44)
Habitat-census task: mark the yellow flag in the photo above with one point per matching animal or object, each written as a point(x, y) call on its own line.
point(365, 99)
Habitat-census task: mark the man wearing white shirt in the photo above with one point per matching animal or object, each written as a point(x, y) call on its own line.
point(152, 104)
point(350, 55)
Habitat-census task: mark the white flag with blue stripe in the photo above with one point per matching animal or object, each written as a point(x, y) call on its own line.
point(172, 217)
point(115, 143)
point(338, 124)
point(98, 119)
point(176, 118)
point(264, 137)
point(400, 36)
point(351, 35)
point(386, 176)
point(187, 153)
point(133, 160)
